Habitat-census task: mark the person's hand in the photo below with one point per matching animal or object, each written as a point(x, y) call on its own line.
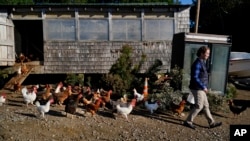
point(205, 90)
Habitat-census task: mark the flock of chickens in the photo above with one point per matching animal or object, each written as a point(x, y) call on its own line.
point(73, 97)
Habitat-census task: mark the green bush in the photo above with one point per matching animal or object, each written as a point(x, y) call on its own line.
point(123, 72)
point(75, 79)
point(231, 91)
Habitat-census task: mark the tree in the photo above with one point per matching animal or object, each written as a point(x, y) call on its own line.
point(226, 18)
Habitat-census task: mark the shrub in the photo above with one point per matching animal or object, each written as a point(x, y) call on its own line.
point(123, 71)
point(75, 79)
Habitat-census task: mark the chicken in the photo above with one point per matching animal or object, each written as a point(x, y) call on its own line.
point(47, 93)
point(24, 69)
point(71, 104)
point(22, 58)
point(178, 109)
point(151, 107)
point(42, 109)
point(61, 96)
point(16, 87)
point(19, 71)
point(113, 103)
point(106, 98)
point(93, 107)
point(2, 99)
point(139, 97)
point(125, 111)
point(90, 98)
point(29, 96)
point(236, 110)
point(44, 94)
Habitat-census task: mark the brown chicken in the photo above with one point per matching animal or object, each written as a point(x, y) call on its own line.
point(93, 107)
point(178, 109)
point(22, 58)
point(24, 69)
point(236, 110)
point(106, 98)
point(61, 96)
point(47, 94)
point(17, 87)
point(90, 99)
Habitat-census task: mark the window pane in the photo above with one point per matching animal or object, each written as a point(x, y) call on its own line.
point(93, 29)
point(159, 29)
point(60, 29)
point(126, 29)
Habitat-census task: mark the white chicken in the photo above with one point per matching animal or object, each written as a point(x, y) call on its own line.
point(29, 97)
point(58, 88)
point(139, 97)
point(42, 109)
point(125, 111)
point(2, 99)
point(151, 107)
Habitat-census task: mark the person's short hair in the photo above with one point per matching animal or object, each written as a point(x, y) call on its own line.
point(202, 50)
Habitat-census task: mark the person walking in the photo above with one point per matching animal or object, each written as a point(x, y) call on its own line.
point(199, 88)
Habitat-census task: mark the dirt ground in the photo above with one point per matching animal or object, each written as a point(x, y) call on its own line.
point(20, 123)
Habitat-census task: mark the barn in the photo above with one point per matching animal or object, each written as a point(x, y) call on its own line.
point(88, 38)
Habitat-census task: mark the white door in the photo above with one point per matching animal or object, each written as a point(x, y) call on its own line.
point(7, 41)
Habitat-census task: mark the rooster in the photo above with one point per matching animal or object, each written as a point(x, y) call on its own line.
point(29, 97)
point(2, 99)
point(235, 109)
point(93, 107)
point(151, 107)
point(42, 109)
point(125, 111)
point(178, 109)
point(71, 104)
point(139, 97)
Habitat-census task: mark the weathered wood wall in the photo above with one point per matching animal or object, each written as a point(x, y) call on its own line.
point(98, 57)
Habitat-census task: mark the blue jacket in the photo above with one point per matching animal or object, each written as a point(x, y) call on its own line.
point(199, 75)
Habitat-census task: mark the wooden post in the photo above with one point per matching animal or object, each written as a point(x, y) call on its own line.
point(197, 16)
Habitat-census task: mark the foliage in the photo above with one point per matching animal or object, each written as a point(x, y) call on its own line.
point(75, 79)
point(215, 101)
point(114, 82)
point(176, 73)
point(166, 95)
point(230, 91)
point(3, 74)
point(122, 72)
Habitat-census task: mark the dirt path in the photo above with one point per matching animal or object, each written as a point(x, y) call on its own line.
point(20, 123)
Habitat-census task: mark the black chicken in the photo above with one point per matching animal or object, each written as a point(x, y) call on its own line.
point(71, 104)
point(236, 110)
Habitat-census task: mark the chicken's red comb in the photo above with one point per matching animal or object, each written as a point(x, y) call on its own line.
point(3, 94)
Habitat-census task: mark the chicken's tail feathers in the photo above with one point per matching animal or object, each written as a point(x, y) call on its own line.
point(24, 90)
point(243, 108)
point(37, 103)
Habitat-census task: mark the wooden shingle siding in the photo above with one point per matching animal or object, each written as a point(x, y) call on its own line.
point(182, 21)
point(98, 57)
